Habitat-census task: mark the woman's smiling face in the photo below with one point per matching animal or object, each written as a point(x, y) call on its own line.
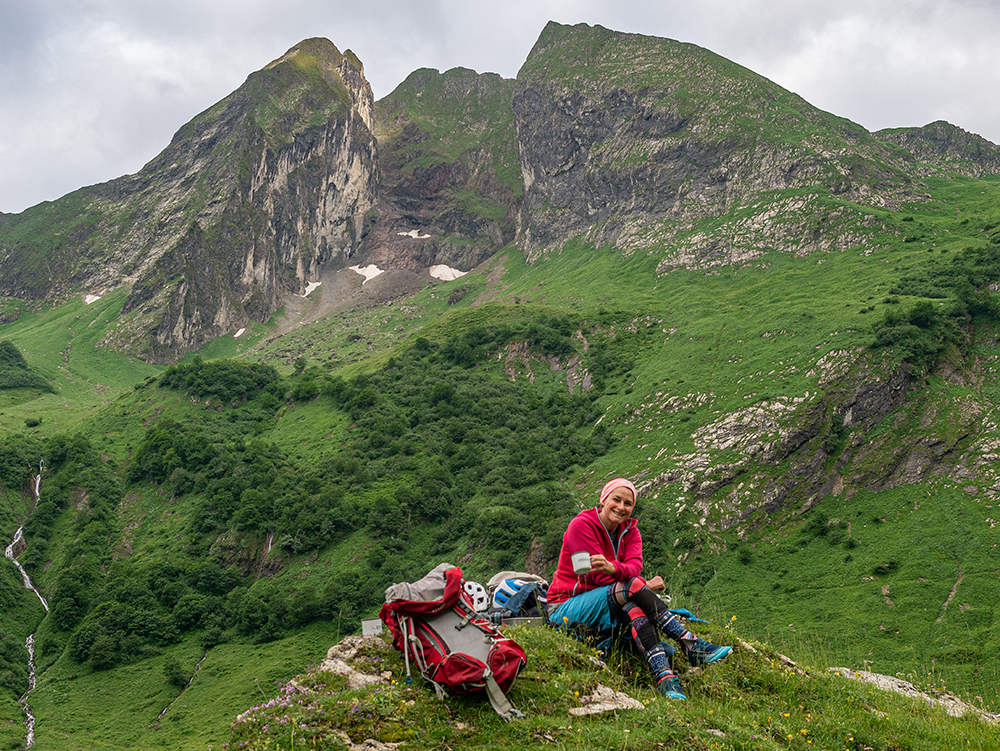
point(616, 508)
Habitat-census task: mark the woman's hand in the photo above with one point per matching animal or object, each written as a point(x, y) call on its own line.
point(599, 563)
point(656, 584)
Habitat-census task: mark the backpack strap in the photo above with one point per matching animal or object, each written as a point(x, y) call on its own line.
point(406, 652)
point(438, 690)
point(499, 701)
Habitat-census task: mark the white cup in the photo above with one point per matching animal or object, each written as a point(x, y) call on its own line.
point(581, 563)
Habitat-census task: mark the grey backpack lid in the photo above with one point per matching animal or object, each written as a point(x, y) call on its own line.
point(427, 589)
point(495, 580)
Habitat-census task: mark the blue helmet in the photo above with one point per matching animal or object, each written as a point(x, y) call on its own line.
point(505, 590)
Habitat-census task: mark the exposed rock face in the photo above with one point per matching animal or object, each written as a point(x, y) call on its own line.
point(856, 393)
point(451, 181)
point(628, 141)
point(294, 197)
point(947, 146)
point(248, 203)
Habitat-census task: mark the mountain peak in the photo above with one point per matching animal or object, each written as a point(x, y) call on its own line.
point(321, 55)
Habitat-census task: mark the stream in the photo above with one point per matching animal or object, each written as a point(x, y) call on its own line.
point(29, 717)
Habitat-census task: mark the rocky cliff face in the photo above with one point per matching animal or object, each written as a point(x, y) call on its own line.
point(247, 204)
point(451, 180)
point(292, 167)
point(631, 141)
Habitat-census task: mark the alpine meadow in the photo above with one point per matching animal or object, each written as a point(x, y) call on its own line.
point(321, 344)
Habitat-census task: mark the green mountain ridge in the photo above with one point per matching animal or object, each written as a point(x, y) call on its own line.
point(782, 328)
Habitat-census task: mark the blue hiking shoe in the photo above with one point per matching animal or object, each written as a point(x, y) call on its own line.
point(705, 653)
point(670, 687)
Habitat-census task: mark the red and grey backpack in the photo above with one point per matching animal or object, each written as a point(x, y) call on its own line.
point(435, 625)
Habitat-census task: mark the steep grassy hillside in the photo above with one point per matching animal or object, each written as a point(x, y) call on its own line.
point(146, 705)
point(60, 345)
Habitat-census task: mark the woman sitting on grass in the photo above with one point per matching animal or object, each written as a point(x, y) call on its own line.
point(614, 593)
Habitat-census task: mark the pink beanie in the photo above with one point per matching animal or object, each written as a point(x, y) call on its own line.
point(618, 482)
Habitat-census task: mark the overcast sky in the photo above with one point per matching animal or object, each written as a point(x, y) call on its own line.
point(93, 89)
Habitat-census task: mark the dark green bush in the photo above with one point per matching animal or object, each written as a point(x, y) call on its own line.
point(226, 380)
point(174, 673)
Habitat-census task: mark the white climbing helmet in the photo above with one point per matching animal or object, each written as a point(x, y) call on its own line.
point(477, 593)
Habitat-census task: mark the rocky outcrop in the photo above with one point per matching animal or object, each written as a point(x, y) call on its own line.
point(946, 146)
point(604, 699)
point(932, 697)
point(820, 435)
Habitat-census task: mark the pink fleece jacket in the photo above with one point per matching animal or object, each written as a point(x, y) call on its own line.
point(586, 532)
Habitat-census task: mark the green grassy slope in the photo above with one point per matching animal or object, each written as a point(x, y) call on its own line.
point(60, 345)
point(132, 698)
point(900, 582)
point(754, 700)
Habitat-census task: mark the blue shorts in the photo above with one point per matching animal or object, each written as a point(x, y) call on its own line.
point(590, 608)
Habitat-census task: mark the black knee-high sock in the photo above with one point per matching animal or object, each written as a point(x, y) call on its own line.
point(641, 628)
point(668, 623)
point(633, 591)
point(646, 640)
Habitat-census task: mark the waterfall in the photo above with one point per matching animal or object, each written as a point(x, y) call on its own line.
point(268, 543)
point(29, 643)
point(28, 584)
point(29, 716)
